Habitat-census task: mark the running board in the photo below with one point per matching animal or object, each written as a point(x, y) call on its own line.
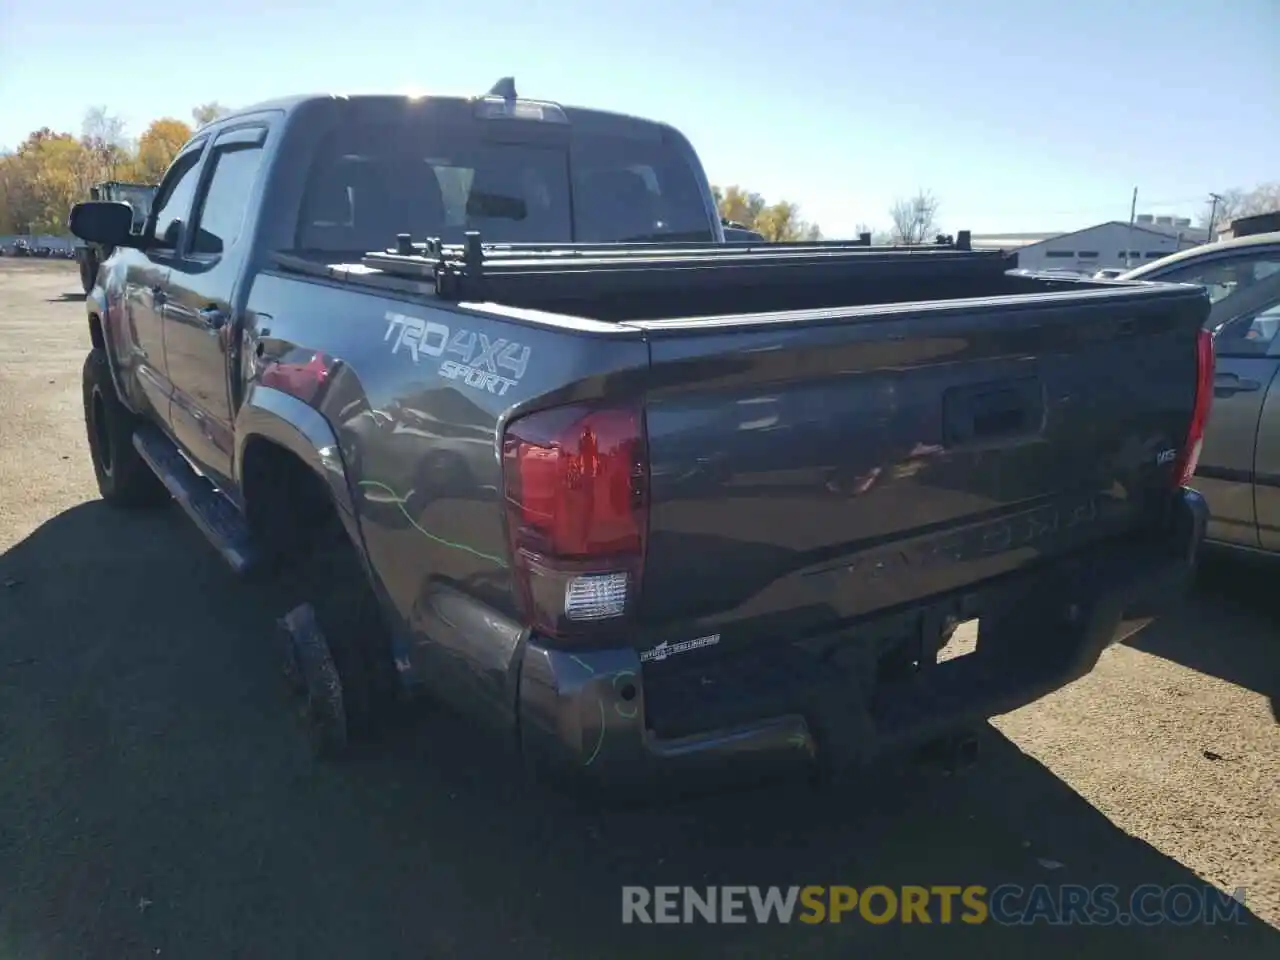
point(213, 513)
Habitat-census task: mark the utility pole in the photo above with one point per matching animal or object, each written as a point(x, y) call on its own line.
point(1133, 213)
point(1213, 212)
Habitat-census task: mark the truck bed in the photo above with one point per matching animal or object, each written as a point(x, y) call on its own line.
point(834, 431)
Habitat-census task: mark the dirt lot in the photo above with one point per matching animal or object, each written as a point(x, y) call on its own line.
point(155, 799)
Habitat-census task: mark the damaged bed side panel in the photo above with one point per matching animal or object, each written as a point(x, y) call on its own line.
point(417, 396)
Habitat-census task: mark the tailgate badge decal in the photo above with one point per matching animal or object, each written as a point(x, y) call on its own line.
point(667, 649)
point(1166, 456)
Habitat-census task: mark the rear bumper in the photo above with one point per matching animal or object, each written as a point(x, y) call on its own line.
point(600, 717)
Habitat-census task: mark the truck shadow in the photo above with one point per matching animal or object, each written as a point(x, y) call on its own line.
point(157, 798)
point(1229, 627)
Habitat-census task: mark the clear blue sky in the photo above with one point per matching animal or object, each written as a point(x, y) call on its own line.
point(1024, 115)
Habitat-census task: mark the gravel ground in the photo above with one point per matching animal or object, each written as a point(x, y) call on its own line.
point(155, 798)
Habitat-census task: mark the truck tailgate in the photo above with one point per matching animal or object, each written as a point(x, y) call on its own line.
point(808, 470)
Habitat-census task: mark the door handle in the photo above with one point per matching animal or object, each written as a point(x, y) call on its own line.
point(157, 295)
point(1225, 384)
point(213, 318)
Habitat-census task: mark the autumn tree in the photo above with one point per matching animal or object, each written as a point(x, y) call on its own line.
point(157, 147)
point(41, 180)
point(914, 219)
point(776, 222)
point(103, 135)
point(50, 171)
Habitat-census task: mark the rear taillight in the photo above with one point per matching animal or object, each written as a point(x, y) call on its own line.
point(576, 484)
point(1189, 457)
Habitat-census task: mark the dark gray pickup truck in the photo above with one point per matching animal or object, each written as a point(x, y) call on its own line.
point(477, 387)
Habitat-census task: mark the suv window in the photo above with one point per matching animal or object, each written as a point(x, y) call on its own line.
point(222, 210)
point(173, 203)
point(1245, 293)
point(1225, 277)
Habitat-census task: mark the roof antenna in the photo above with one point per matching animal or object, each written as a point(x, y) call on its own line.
point(504, 88)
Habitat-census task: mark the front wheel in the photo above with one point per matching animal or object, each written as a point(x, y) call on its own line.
point(124, 479)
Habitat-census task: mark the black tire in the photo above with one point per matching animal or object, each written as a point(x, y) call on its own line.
point(314, 683)
point(124, 479)
point(349, 624)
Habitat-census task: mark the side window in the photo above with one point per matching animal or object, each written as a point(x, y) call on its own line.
point(1245, 293)
point(1252, 334)
point(226, 200)
point(173, 203)
point(1226, 278)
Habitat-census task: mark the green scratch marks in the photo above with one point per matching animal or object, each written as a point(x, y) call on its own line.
point(399, 501)
point(622, 709)
point(600, 740)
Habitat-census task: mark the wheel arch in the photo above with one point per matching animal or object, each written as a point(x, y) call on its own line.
point(99, 339)
point(271, 422)
point(288, 471)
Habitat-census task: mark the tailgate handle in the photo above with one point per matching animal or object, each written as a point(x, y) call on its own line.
point(993, 411)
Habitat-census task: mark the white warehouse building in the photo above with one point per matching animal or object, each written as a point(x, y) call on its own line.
point(1113, 244)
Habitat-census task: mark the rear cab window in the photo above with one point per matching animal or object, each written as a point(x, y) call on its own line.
point(631, 189)
point(433, 176)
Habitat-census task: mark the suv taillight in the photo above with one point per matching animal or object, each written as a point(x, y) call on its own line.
point(576, 486)
point(1189, 457)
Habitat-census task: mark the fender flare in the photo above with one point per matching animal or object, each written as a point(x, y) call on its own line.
point(96, 304)
point(273, 415)
point(280, 418)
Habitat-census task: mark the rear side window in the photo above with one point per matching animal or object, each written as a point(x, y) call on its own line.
point(226, 201)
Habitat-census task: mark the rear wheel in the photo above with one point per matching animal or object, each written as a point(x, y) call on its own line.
point(336, 649)
point(124, 479)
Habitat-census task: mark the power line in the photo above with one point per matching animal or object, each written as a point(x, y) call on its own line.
point(1091, 210)
point(1213, 211)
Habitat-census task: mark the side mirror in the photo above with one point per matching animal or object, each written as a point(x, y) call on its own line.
point(172, 234)
point(100, 221)
point(206, 242)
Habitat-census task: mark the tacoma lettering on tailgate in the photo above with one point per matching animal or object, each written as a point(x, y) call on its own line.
point(1036, 528)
